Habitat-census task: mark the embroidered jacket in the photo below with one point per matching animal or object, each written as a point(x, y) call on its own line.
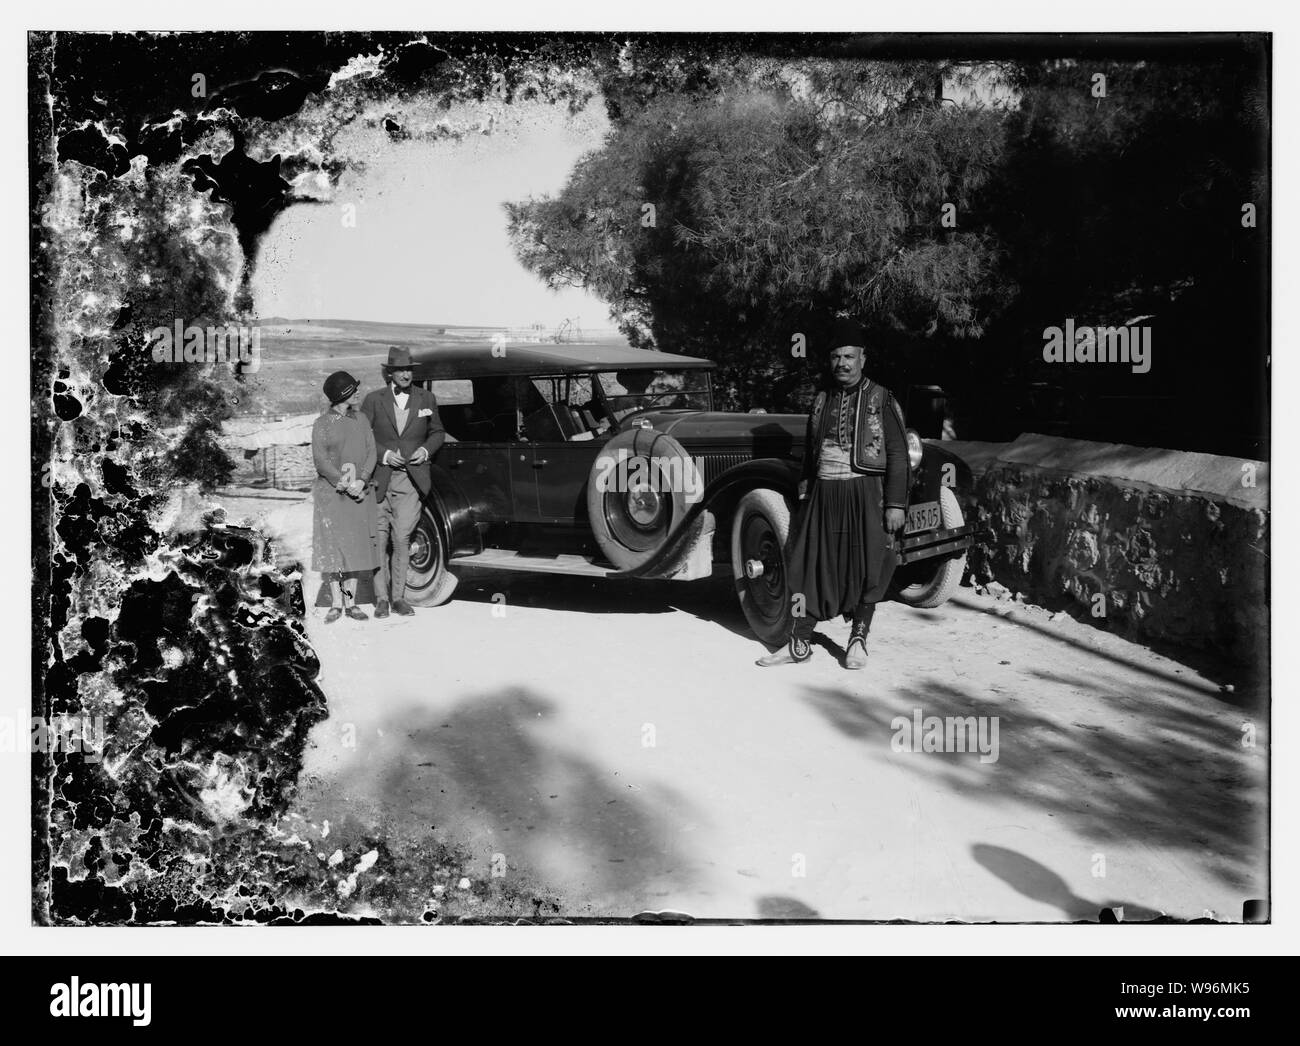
point(867, 421)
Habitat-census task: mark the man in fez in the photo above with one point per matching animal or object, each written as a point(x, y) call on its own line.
point(853, 494)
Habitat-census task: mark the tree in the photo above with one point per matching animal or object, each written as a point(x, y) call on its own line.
point(729, 219)
point(1127, 204)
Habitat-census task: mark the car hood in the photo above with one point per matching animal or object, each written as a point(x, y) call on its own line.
point(771, 435)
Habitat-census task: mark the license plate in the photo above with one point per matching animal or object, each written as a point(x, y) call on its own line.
point(925, 516)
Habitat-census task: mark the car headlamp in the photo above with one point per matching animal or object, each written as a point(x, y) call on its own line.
point(915, 451)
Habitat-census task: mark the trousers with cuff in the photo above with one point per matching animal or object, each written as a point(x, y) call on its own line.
point(399, 512)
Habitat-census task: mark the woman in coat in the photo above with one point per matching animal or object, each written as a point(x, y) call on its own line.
point(345, 539)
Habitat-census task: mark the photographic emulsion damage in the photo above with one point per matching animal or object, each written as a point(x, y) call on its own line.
point(621, 477)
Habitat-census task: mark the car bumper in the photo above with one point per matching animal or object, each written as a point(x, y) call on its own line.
point(931, 543)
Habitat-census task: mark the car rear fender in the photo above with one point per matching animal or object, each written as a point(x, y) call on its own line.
point(453, 513)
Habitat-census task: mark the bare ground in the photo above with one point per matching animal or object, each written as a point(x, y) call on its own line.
point(613, 746)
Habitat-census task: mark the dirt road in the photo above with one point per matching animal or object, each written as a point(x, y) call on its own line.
point(614, 745)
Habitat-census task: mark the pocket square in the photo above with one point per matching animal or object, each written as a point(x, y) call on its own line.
point(425, 412)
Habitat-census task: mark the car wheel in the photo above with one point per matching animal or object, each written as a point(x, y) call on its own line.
point(641, 486)
point(428, 581)
point(931, 582)
point(760, 533)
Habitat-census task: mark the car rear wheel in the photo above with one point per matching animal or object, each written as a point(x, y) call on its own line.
point(760, 533)
point(428, 581)
point(931, 582)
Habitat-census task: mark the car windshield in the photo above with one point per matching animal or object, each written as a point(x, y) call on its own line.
point(500, 408)
point(627, 391)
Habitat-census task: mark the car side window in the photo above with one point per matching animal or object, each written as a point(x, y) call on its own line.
point(563, 407)
point(489, 416)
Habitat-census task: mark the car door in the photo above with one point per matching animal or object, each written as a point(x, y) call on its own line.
point(483, 471)
point(561, 471)
point(561, 466)
point(478, 456)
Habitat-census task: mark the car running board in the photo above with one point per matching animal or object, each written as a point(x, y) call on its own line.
point(506, 559)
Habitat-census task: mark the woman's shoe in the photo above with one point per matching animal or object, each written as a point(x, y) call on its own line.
point(356, 613)
point(333, 614)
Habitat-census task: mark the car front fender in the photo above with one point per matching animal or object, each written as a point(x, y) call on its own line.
point(940, 468)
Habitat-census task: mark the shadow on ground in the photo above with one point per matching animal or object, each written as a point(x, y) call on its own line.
point(1036, 881)
point(495, 774)
point(712, 600)
point(1162, 773)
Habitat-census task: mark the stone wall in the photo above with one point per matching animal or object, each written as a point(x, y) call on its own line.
point(1160, 545)
point(271, 452)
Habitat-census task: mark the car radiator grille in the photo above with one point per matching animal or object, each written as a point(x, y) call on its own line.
point(712, 466)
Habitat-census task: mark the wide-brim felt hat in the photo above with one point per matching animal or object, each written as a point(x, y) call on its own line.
point(398, 358)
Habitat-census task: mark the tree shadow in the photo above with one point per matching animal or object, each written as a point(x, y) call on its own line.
point(494, 768)
point(773, 906)
point(1150, 768)
point(1039, 883)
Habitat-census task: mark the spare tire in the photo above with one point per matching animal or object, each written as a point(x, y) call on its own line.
point(641, 486)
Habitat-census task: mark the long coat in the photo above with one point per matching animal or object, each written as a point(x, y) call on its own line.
point(344, 531)
point(423, 429)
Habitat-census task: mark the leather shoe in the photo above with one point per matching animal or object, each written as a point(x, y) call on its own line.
point(795, 652)
point(856, 655)
point(333, 614)
point(356, 613)
point(401, 606)
point(381, 608)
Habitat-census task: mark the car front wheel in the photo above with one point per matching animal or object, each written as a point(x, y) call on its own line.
point(760, 532)
point(931, 582)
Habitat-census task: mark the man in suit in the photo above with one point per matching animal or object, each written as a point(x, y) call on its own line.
point(408, 433)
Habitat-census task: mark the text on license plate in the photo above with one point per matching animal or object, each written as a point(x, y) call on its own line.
point(925, 516)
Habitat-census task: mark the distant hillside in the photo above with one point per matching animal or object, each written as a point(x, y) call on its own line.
point(288, 338)
point(297, 355)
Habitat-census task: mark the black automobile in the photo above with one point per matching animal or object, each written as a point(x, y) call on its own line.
point(603, 460)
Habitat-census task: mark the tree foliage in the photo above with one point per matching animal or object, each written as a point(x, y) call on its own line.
point(786, 189)
point(726, 222)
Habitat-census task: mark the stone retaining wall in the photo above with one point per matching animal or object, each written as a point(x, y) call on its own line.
point(272, 452)
point(1161, 545)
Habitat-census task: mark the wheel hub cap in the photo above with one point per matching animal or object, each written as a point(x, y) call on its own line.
point(643, 506)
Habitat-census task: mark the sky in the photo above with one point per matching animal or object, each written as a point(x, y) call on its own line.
point(429, 243)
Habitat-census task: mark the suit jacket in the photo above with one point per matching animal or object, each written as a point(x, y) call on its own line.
point(423, 429)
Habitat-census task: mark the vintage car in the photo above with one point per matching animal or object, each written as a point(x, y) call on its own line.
point(603, 460)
